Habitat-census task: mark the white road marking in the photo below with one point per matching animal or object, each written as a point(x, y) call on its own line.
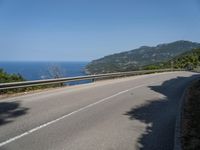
point(67, 115)
point(83, 86)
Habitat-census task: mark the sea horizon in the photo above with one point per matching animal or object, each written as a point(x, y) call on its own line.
point(37, 70)
point(44, 61)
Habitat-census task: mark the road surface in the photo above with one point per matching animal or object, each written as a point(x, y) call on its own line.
point(121, 114)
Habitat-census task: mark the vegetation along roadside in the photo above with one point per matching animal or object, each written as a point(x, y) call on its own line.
point(191, 119)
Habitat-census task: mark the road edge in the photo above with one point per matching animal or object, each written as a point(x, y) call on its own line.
point(177, 134)
point(178, 125)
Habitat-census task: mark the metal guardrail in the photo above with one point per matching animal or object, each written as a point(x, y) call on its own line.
point(24, 84)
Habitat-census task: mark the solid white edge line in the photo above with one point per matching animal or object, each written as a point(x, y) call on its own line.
point(67, 115)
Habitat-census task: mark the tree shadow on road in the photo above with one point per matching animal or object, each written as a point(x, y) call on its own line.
point(11, 110)
point(160, 115)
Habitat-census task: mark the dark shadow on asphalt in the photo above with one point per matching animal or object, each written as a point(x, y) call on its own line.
point(9, 111)
point(160, 115)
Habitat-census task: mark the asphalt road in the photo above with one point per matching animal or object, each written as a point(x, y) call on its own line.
point(120, 114)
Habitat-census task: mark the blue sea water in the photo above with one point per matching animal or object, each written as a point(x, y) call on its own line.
point(45, 70)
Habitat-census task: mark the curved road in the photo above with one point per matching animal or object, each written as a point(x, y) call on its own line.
point(120, 114)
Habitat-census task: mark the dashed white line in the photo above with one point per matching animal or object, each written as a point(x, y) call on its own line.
point(67, 115)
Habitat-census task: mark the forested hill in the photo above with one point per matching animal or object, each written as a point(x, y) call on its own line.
point(134, 59)
point(188, 60)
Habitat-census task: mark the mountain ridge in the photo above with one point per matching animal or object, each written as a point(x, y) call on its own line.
point(136, 58)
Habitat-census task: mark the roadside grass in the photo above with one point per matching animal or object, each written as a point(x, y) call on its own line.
point(191, 119)
point(29, 89)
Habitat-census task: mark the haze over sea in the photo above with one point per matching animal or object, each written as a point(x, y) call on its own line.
point(44, 70)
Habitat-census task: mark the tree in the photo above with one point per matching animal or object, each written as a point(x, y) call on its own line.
point(55, 72)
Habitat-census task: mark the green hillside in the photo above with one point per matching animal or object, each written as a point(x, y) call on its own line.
point(188, 60)
point(137, 58)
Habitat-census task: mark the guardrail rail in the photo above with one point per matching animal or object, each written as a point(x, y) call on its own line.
point(24, 84)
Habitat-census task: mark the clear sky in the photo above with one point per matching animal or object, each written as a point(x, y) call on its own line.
point(82, 30)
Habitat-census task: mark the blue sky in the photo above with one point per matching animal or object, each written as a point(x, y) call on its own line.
point(83, 30)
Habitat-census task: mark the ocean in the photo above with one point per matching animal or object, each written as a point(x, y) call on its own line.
point(45, 70)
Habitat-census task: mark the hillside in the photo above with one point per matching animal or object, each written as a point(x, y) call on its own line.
point(188, 60)
point(137, 58)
